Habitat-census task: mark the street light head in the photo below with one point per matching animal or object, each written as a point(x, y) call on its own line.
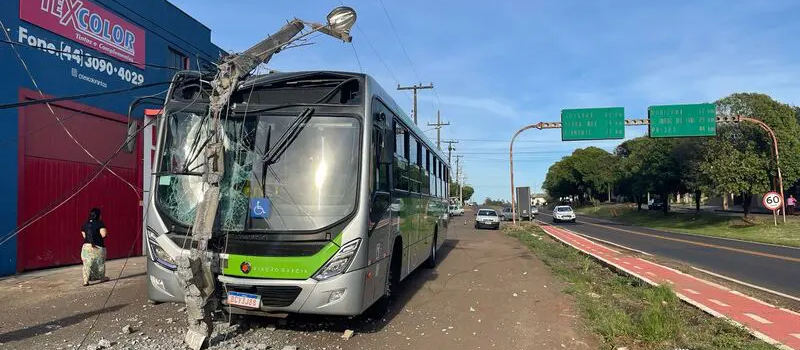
point(341, 19)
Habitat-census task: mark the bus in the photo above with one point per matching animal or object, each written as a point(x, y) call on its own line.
point(331, 195)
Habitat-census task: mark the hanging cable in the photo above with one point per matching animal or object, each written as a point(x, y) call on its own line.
point(80, 96)
point(69, 133)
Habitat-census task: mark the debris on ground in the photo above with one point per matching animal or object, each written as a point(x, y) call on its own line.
point(104, 343)
point(347, 334)
point(593, 295)
point(471, 309)
point(289, 347)
point(127, 329)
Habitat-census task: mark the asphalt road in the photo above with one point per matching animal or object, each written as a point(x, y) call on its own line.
point(773, 267)
point(488, 292)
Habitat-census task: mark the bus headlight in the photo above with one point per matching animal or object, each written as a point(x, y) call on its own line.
point(340, 261)
point(161, 257)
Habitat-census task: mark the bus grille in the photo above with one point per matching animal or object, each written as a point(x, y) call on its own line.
point(272, 296)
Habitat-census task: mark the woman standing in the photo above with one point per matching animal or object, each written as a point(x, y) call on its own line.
point(93, 252)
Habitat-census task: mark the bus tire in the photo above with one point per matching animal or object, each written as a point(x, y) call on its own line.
point(430, 263)
point(382, 306)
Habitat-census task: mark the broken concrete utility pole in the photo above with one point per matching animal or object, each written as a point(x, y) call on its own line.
point(196, 271)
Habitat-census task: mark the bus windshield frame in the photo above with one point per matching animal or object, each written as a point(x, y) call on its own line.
point(324, 157)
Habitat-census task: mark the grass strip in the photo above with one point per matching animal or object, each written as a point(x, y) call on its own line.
point(627, 313)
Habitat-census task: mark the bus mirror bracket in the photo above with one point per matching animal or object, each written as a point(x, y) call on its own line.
point(130, 136)
point(387, 152)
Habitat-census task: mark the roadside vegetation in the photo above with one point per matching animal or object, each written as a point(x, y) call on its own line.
point(754, 229)
point(626, 313)
point(737, 161)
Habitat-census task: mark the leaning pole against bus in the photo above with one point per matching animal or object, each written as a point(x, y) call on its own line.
point(196, 270)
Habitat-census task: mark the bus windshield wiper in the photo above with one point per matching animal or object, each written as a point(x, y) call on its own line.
point(273, 154)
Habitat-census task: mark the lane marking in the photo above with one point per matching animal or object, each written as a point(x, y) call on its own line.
point(707, 245)
point(626, 263)
point(753, 299)
point(796, 335)
point(650, 273)
point(758, 318)
point(592, 238)
point(692, 291)
point(747, 284)
point(715, 301)
point(637, 267)
point(790, 311)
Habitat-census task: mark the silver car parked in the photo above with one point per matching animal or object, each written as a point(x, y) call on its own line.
point(487, 218)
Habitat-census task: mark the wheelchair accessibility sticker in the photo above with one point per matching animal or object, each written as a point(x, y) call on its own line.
point(260, 208)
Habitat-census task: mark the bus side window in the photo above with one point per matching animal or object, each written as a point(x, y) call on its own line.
point(380, 170)
point(400, 175)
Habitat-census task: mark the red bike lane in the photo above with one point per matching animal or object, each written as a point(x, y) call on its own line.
point(777, 326)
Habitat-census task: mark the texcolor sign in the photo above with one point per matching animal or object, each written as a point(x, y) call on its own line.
point(88, 24)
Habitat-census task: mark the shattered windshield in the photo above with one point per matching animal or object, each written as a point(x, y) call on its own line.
point(310, 186)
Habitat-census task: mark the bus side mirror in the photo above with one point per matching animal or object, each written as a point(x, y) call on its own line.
point(387, 153)
point(130, 137)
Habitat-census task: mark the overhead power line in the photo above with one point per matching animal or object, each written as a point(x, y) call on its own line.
point(162, 28)
point(80, 96)
point(396, 34)
point(107, 58)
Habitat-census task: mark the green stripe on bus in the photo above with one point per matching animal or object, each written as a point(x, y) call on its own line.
point(281, 267)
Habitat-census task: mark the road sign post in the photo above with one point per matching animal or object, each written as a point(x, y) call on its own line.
point(773, 201)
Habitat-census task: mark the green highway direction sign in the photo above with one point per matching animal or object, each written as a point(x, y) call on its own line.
point(592, 124)
point(683, 120)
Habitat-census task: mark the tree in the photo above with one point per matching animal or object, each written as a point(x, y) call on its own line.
point(468, 191)
point(740, 159)
point(584, 174)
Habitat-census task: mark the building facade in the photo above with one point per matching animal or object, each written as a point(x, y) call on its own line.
point(52, 153)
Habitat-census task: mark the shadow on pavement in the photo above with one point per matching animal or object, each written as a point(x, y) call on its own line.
point(361, 324)
point(43, 328)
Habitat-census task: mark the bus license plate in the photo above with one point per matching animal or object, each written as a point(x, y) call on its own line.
point(247, 300)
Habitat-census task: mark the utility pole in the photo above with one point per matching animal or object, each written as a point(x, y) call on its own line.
point(438, 125)
point(414, 88)
point(458, 179)
point(196, 271)
point(450, 150)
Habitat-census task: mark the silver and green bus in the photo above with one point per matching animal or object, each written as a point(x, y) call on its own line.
point(331, 195)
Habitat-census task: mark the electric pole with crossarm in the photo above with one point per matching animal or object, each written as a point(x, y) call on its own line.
point(414, 88)
point(438, 126)
point(450, 150)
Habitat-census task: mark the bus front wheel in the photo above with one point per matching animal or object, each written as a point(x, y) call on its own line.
point(381, 307)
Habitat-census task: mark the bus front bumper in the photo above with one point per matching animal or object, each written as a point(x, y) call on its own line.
point(340, 295)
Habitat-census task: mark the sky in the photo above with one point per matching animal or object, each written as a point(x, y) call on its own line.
point(500, 65)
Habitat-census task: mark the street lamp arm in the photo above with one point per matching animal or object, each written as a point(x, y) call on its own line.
point(775, 150)
point(511, 167)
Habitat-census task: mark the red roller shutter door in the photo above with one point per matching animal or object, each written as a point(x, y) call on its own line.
point(52, 167)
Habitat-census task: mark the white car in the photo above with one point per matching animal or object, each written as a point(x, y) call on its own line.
point(535, 210)
point(456, 210)
point(563, 213)
point(487, 218)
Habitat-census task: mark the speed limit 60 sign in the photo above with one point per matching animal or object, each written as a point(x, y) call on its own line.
point(773, 201)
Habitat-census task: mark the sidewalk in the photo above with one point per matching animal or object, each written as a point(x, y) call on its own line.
point(777, 326)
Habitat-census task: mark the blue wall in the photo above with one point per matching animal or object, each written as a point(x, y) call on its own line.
point(166, 27)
